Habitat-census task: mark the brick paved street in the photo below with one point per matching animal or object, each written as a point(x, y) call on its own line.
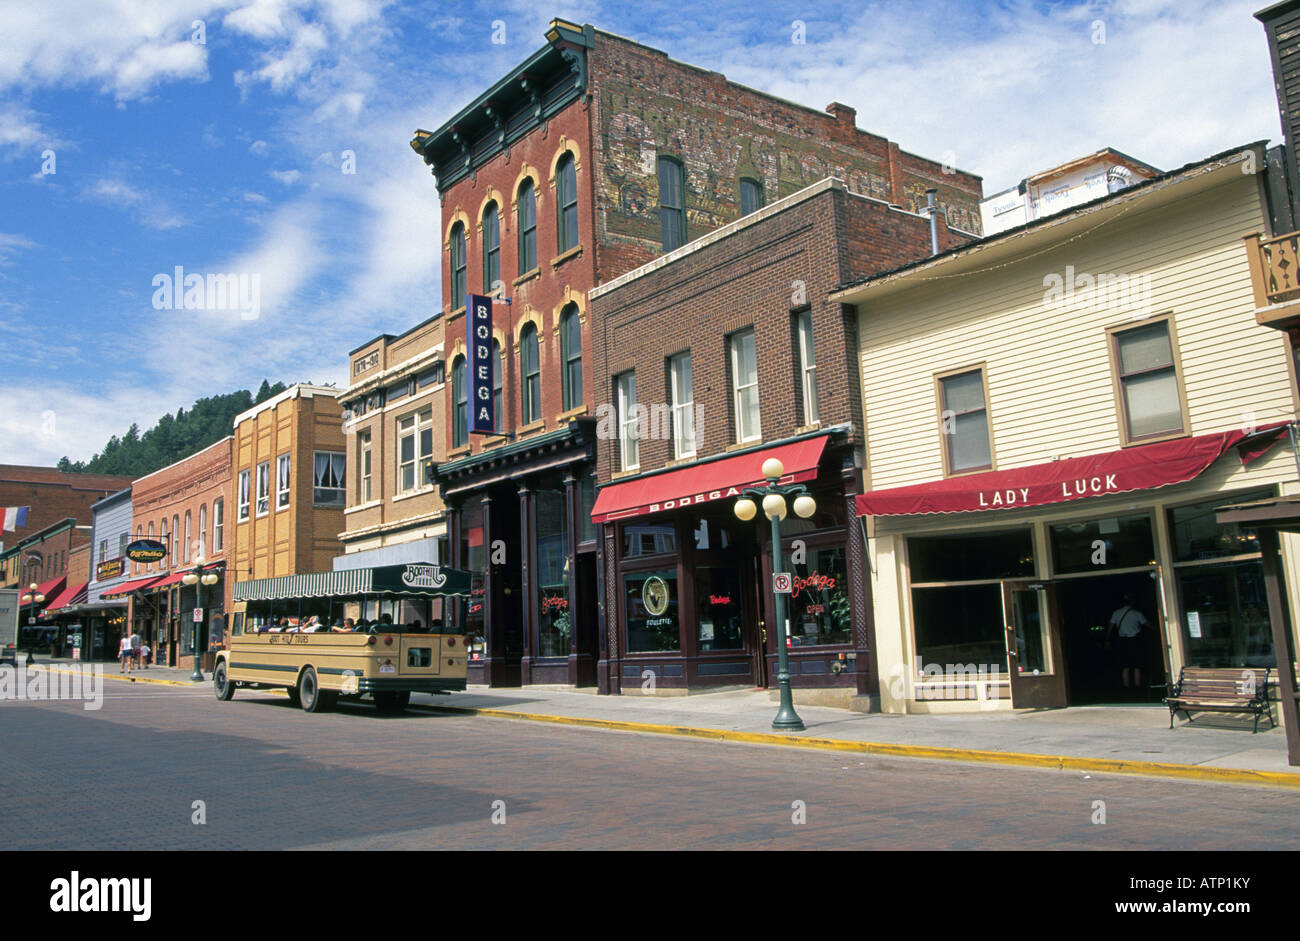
point(274, 777)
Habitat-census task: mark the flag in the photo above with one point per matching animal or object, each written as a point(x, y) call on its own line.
point(12, 517)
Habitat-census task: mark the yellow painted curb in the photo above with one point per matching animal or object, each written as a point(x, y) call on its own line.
point(130, 678)
point(934, 752)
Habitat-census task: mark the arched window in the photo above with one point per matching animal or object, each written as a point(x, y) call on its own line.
point(530, 399)
point(218, 524)
point(162, 529)
point(751, 195)
point(458, 266)
point(187, 535)
point(672, 214)
point(460, 416)
point(566, 198)
point(150, 536)
point(176, 541)
point(571, 351)
point(491, 247)
point(203, 531)
point(498, 380)
point(527, 228)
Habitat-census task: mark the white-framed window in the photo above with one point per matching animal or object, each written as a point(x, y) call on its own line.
point(243, 495)
point(627, 432)
point(163, 533)
point(282, 482)
point(263, 488)
point(414, 448)
point(679, 377)
point(218, 524)
point(807, 367)
point(175, 557)
point(328, 471)
point(363, 442)
point(203, 531)
point(744, 385)
point(188, 533)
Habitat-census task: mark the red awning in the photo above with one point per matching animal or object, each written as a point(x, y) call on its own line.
point(48, 589)
point(171, 579)
point(1138, 468)
point(73, 594)
point(127, 587)
point(701, 483)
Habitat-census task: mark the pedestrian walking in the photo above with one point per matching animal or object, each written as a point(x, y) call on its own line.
point(146, 654)
point(135, 648)
point(124, 654)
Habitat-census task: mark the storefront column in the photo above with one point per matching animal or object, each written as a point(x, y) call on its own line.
point(528, 604)
point(607, 667)
point(1171, 630)
point(494, 667)
point(1283, 641)
point(860, 599)
point(571, 506)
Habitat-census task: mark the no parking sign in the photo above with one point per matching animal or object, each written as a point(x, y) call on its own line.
point(782, 583)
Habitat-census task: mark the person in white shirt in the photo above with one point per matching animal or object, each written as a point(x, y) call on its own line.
point(1126, 627)
point(124, 654)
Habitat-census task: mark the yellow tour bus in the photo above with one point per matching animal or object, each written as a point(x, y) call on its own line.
point(380, 632)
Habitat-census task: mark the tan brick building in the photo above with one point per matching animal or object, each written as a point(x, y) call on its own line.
point(288, 480)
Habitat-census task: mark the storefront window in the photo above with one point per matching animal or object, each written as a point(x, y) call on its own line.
point(720, 614)
point(965, 557)
point(1225, 607)
point(587, 529)
point(1113, 542)
point(474, 558)
point(648, 539)
point(959, 624)
point(650, 604)
point(553, 622)
point(819, 604)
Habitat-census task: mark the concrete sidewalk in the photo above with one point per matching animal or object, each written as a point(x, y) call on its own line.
point(1123, 739)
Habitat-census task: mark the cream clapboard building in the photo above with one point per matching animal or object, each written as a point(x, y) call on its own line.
point(1086, 433)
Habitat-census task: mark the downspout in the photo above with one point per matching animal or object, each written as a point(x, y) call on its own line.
point(932, 210)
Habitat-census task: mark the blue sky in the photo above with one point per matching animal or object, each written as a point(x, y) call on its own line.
point(227, 155)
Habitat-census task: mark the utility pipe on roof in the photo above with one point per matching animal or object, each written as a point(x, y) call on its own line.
point(932, 209)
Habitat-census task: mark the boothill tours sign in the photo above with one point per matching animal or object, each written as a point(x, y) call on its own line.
point(146, 550)
point(479, 337)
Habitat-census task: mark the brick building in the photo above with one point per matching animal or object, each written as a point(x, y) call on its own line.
point(720, 355)
point(288, 485)
point(185, 507)
point(53, 497)
point(42, 559)
point(593, 156)
point(394, 429)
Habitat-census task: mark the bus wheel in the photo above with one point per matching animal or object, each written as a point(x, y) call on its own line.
point(311, 697)
point(221, 684)
point(391, 703)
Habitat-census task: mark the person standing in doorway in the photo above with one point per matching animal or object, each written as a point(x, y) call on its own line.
point(1126, 627)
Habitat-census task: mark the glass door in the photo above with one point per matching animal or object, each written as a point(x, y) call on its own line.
point(1033, 649)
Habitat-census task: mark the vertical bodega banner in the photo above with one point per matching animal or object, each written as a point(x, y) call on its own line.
point(479, 330)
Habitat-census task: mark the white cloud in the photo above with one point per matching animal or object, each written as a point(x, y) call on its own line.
point(287, 177)
point(258, 148)
point(254, 198)
point(11, 243)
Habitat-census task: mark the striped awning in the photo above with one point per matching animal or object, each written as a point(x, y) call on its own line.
point(415, 579)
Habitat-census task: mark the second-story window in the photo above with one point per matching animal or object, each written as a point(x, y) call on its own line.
point(807, 366)
point(491, 248)
point(1150, 399)
point(744, 386)
point(672, 215)
point(751, 196)
point(566, 193)
point(263, 487)
point(329, 469)
point(527, 228)
point(218, 524)
point(627, 430)
point(964, 422)
point(203, 531)
point(414, 449)
point(282, 482)
point(460, 406)
point(683, 416)
point(571, 348)
point(363, 449)
point(176, 541)
point(243, 495)
point(458, 266)
point(189, 545)
point(530, 402)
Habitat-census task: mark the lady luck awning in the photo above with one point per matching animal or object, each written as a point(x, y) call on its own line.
point(1143, 467)
point(710, 480)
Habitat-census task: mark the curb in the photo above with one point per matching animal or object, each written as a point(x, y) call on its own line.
point(128, 678)
point(933, 752)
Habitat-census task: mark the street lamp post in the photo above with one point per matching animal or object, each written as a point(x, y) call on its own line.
point(773, 499)
point(33, 598)
point(197, 577)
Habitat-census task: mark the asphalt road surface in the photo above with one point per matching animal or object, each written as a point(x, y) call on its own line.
point(270, 776)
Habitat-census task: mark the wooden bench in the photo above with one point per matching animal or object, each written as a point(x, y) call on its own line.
point(1226, 689)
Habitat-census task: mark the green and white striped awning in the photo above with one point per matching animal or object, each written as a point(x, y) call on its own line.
point(415, 579)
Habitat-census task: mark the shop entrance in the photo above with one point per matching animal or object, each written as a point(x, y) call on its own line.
point(1095, 659)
